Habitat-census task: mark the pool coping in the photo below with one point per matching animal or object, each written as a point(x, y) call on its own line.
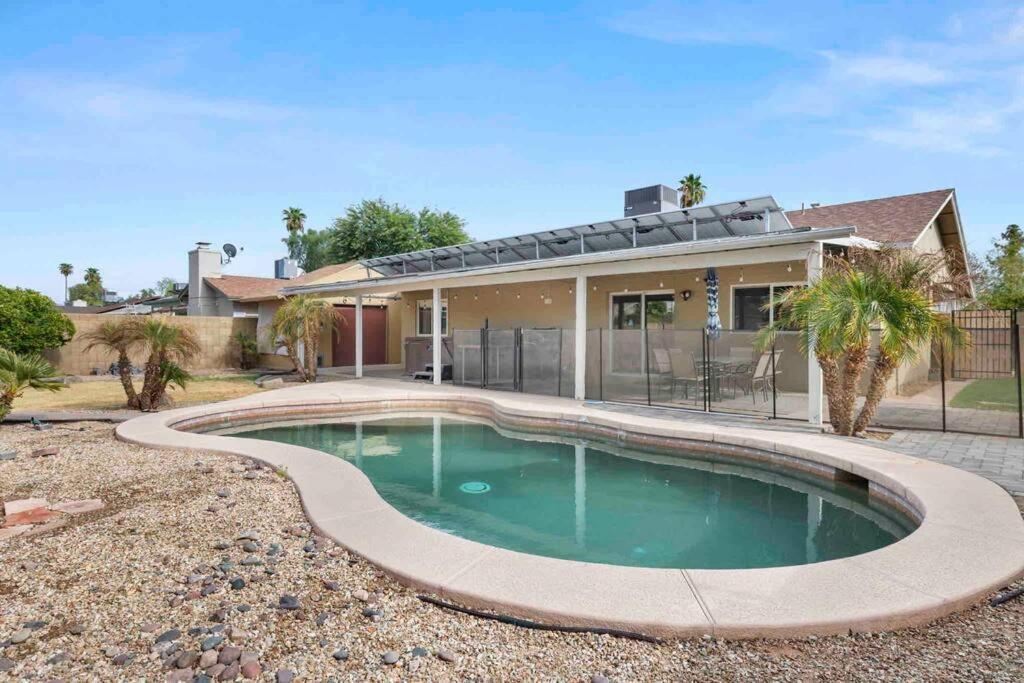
point(970, 541)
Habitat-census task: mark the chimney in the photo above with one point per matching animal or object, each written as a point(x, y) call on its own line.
point(203, 263)
point(653, 199)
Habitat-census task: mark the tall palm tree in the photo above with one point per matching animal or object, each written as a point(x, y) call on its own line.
point(301, 319)
point(693, 190)
point(18, 373)
point(66, 269)
point(294, 220)
point(92, 276)
point(170, 346)
point(118, 337)
point(888, 292)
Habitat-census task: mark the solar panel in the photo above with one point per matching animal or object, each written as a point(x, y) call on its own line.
point(710, 221)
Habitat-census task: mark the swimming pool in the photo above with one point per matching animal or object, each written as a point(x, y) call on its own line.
point(596, 502)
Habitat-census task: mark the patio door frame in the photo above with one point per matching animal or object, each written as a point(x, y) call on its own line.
point(643, 294)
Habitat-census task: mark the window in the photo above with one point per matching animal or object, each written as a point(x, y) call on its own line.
point(749, 303)
point(641, 311)
point(425, 317)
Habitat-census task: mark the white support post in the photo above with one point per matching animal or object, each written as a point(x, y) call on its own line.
point(436, 458)
point(580, 357)
point(359, 336)
point(435, 329)
point(359, 444)
point(815, 391)
point(767, 220)
point(580, 495)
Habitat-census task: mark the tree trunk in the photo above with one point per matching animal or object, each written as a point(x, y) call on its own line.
point(150, 378)
point(831, 381)
point(310, 348)
point(856, 359)
point(884, 367)
point(124, 369)
point(6, 402)
point(299, 364)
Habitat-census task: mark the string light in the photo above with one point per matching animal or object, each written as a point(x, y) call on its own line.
point(789, 267)
point(741, 275)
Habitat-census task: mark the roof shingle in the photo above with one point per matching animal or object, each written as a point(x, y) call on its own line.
point(246, 287)
point(890, 219)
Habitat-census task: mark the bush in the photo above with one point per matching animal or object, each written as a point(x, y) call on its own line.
point(248, 352)
point(31, 322)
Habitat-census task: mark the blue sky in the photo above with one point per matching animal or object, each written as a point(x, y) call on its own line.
point(130, 130)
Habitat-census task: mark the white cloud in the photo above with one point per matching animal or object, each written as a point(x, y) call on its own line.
point(885, 69)
point(677, 24)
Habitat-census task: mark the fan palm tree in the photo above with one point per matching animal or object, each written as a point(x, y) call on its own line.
point(693, 190)
point(66, 269)
point(299, 322)
point(294, 220)
point(886, 291)
point(18, 373)
point(169, 346)
point(118, 337)
point(92, 276)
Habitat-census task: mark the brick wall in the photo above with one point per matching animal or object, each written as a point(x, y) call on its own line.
point(214, 337)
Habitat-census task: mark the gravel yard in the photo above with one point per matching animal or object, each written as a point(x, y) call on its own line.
point(199, 550)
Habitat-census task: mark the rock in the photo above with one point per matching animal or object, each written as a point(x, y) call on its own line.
point(211, 643)
point(221, 545)
point(243, 608)
point(27, 511)
point(202, 678)
point(230, 673)
point(44, 452)
point(208, 659)
point(28, 565)
point(237, 584)
point(79, 507)
point(57, 658)
point(8, 455)
point(11, 532)
point(168, 636)
point(216, 670)
point(123, 658)
point(361, 595)
point(598, 678)
point(6, 664)
point(229, 654)
point(389, 657)
point(251, 670)
point(309, 547)
point(149, 627)
point(340, 654)
point(247, 657)
point(331, 585)
point(248, 535)
point(275, 549)
point(223, 493)
point(35, 624)
point(322, 618)
point(272, 383)
point(285, 676)
point(446, 656)
point(371, 613)
point(249, 475)
point(250, 546)
point(21, 636)
point(76, 629)
point(288, 602)
point(419, 652)
point(251, 561)
point(182, 675)
point(187, 660)
point(209, 590)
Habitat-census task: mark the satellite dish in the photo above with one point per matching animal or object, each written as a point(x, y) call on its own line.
point(230, 250)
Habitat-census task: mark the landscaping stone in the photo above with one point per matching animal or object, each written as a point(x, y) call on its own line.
point(6, 664)
point(44, 452)
point(223, 493)
point(167, 636)
point(288, 602)
point(285, 676)
point(8, 455)
point(389, 657)
point(21, 636)
point(11, 532)
point(361, 595)
point(182, 675)
point(237, 584)
point(208, 659)
point(446, 655)
point(79, 507)
point(420, 652)
point(229, 654)
point(341, 654)
point(77, 628)
point(251, 670)
point(230, 673)
point(211, 642)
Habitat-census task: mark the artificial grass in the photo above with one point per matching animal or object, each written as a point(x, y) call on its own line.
point(988, 394)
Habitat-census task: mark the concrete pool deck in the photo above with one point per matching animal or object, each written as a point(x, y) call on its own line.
point(970, 540)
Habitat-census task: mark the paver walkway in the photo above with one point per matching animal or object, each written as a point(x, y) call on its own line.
point(998, 458)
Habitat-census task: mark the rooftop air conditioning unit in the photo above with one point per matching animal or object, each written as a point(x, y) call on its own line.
point(653, 199)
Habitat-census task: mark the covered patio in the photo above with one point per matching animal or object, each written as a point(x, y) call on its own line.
point(613, 311)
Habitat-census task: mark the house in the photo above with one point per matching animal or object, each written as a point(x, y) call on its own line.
point(660, 306)
point(213, 293)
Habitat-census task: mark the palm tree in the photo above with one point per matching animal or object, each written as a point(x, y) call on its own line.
point(66, 269)
point(294, 220)
point(888, 292)
point(693, 190)
point(169, 347)
point(118, 337)
point(299, 321)
point(92, 276)
point(18, 373)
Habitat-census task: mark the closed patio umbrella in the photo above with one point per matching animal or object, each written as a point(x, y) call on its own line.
point(714, 323)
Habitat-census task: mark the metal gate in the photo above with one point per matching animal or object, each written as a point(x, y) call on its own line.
point(530, 360)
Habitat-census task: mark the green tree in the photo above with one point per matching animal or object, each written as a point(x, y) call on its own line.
point(169, 347)
point(692, 189)
point(21, 372)
point(66, 269)
point(294, 220)
point(31, 322)
point(1004, 276)
point(309, 248)
point(165, 286)
point(300, 321)
point(90, 290)
point(118, 337)
point(376, 228)
point(888, 290)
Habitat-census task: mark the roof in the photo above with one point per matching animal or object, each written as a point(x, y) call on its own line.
point(890, 219)
point(709, 221)
point(238, 287)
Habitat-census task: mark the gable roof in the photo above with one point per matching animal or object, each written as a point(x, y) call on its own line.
point(897, 220)
point(244, 287)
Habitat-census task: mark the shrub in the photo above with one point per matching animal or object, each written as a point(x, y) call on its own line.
point(31, 322)
point(248, 352)
point(21, 372)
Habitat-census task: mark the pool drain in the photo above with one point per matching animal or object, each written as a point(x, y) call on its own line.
point(475, 487)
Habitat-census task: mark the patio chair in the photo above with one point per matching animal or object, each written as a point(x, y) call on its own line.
point(762, 376)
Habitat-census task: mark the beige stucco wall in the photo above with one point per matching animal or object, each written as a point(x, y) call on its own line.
point(214, 334)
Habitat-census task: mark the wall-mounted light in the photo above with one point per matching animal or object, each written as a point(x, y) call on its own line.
point(661, 285)
point(741, 275)
point(686, 294)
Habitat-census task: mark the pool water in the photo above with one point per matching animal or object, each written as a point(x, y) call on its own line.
point(580, 502)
